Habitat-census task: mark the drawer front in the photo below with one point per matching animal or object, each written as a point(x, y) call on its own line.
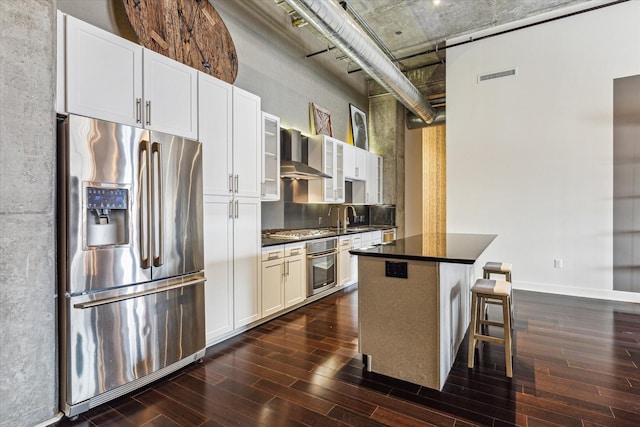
point(294, 250)
point(273, 252)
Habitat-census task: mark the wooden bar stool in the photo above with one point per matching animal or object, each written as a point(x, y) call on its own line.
point(500, 292)
point(496, 267)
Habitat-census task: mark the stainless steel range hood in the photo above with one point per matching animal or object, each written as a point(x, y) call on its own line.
point(291, 163)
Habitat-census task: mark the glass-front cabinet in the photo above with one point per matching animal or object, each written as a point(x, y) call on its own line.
point(270, 157)
point(327, 154)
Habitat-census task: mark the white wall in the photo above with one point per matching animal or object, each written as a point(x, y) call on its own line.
point(530, 157)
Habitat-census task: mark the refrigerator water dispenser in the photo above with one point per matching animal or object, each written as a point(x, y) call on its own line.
point(106, 216)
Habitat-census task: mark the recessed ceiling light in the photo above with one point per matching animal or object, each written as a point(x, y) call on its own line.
point(436, 2)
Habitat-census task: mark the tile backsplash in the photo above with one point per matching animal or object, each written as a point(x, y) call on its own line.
point(286, 214)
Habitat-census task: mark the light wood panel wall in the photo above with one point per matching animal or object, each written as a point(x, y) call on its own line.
point(434, 200)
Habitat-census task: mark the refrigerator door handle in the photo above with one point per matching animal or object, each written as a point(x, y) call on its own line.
point(145, 204)
point(157, 202)
point(103, 301)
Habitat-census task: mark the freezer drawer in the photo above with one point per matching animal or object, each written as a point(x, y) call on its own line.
point(116, 341)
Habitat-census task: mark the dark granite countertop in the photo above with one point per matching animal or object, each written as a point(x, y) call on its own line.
point(446, 247)
point(331, 232)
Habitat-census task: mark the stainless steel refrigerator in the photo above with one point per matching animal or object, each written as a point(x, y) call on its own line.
point(130, 261)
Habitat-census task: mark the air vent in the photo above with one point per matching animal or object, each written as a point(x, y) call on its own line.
point(497, 75)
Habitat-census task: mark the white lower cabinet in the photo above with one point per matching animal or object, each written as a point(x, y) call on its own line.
point(295, 277)
point(376, 237)
point(232, 246)
point(355, 244)
point(247, 243)
point(344, 261)
point(218, 255)
point(273, 271)
point(283, 277)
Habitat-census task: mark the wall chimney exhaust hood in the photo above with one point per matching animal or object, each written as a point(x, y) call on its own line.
point(292, 164)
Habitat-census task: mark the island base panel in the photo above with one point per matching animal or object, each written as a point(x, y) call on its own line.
point(398, 321)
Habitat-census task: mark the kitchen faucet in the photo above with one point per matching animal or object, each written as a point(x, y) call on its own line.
point(345, 221)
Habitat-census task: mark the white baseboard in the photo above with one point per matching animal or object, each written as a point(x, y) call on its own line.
point(578, 292)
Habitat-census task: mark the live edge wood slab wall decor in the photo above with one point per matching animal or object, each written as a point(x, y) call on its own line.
point(189, 31)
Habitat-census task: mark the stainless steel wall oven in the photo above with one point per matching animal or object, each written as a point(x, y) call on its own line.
point(322, 257)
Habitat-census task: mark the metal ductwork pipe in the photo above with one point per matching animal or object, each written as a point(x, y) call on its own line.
point(414, 122)
point(336, 25)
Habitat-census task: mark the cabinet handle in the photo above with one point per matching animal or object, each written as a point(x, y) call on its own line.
point(230, 208)
point(230, 183)
point(148, 112)
point(237, 213)
point(357, 171)
point(284, 269)
point(236, 183)
point(287, 267)
point(138, 110)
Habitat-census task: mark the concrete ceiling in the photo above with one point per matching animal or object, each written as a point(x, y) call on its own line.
point(415, 32)
point(411, 27)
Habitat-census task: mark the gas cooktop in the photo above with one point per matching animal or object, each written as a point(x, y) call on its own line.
point(297, 234)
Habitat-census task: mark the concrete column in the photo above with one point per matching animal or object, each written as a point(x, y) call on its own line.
point(386, 138)
point(28, 354)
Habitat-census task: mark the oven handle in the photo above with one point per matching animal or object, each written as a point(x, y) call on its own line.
point(322, 254)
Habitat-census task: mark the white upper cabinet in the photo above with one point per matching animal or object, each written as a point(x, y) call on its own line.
point(361, 163)
point(103, 74)
point(247, 154)
point(355, 163)
point(215, 101)
point(230, 129)
point(270, 157)
point(327, 155)
point(110, 78)
point(349, 161)
point(374, 180)
point(170, 96)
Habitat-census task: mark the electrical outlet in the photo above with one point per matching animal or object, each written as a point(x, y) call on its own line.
point(557, 263)
point(396, 269)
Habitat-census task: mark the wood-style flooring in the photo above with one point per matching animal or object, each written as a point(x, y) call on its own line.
point(576, 363)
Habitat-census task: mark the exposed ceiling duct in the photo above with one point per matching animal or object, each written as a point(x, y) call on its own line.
point(334, 23)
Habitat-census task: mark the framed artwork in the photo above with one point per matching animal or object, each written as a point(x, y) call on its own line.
point(359, 127)
point(321, 120)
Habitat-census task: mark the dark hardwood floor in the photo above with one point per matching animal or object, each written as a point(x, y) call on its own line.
point(576, 363)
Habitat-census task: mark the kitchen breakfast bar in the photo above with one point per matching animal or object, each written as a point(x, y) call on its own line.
point(413, 304)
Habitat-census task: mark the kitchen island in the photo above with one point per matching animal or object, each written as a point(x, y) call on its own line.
point(413, 304)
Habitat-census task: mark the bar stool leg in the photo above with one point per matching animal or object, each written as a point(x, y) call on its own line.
point(473, 329)
point(506, 315)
